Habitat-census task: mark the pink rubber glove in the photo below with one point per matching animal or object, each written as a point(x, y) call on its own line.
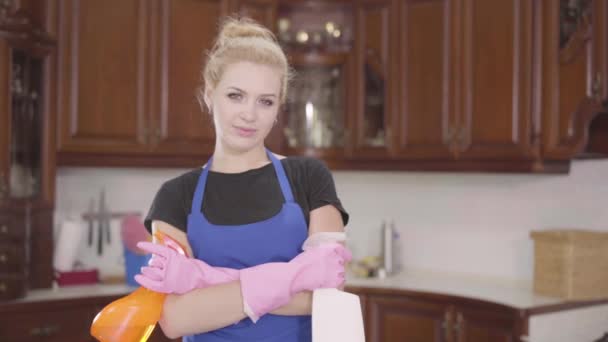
point(269, 286)
point(171, 272)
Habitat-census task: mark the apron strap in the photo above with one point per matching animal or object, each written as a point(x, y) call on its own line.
point(199, 193)
point(283, 180)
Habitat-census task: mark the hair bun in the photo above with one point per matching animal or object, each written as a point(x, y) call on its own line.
point(233, 28)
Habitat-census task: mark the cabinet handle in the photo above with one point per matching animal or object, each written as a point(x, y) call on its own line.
point(450, 135)
point(461, 138)
point(45, 331)
point(459, 323)
point(3, 258)
point(347, 136)
point(157, 136)
point(4, 229)
point(596, 87)
point(146, 135)
point(3, 186)
point(446, 324)
point(3, 287)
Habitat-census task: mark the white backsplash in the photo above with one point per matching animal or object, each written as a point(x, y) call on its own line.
point(449, 222)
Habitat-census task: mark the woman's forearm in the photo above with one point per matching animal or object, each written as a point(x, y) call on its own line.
point(202, 310)
point(300, 304)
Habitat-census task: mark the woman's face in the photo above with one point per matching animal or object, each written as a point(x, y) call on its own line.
point(245, 104)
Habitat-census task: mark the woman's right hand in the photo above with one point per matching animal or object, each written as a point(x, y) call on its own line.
point(269, 286)
point(171, 272)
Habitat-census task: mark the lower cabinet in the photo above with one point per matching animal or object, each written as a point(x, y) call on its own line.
point(392, 315)
point(55, 320)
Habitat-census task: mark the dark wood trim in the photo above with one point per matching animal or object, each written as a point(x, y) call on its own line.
point(434, 297)
point(321, 58)
point(333, 158)
point(564, 306)
point(50, 304)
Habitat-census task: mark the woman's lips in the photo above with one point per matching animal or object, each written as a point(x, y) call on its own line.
point(245, 132)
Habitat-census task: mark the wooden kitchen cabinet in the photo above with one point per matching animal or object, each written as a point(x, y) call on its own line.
point(406, 319)
point(469, 85)
point(425, 121)
point(27, 154)
point(465, 96)
point(126, 73)
point(493, 81)
point(471, 324)
point(376, 51)
point(262, 11)
point(574, 72)
point(61, 320)
point(395, 315)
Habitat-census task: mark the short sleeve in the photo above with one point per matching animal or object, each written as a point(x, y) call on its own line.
point(322, 190)
point(168, 206)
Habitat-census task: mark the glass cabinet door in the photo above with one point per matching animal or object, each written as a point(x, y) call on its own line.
point(26, 122)
point(318, 39)
point(374, 49)
point(315, 108)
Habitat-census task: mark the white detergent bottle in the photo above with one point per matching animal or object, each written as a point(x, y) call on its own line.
point(336, 315)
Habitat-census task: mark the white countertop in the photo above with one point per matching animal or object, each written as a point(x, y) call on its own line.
point(488, 289)
point(493, 290)
point(69, 292)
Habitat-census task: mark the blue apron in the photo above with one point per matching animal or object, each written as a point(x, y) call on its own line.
point(277, 239)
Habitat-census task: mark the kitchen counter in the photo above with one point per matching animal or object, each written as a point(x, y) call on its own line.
point(509, 293)
point(74, 292)
point(493, 290)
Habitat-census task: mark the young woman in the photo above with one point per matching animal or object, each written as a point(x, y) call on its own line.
point(246, 214)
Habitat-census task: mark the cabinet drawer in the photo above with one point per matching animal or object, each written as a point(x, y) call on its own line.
point(10, 228)
point(12, 257)
point(11, 286)
point(60, 324)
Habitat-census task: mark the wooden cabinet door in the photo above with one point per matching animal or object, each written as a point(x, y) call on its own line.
point(494, 80)
point(5, 140)
point(398, 318)
point(574, 69)
point(262, 11)
point(375, 78)
point(473, 325)
point(424, 120)
point(183, 31)
point(57, 324)
point(101, 69)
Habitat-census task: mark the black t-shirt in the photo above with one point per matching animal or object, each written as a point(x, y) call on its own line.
point(246, 197)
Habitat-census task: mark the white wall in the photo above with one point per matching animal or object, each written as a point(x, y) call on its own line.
point(455, 222)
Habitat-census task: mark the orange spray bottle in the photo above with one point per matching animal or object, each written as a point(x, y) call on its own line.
point(133, 318)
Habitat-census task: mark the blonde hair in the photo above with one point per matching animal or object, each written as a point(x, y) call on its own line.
point(243, 39)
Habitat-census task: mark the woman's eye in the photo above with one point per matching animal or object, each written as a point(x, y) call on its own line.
point(267, 102)
point(235, 96)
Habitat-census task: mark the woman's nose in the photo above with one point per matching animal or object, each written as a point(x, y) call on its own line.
point(249, 113)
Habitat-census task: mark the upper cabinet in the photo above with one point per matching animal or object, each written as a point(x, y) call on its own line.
point(425, 123)
point(376, 50)
point(493, 81)
point(472, 85)
point(27, 168)
point(102, 76)
point(318, 39)
point(573, 54)
point(127, 73)
point(178, 124)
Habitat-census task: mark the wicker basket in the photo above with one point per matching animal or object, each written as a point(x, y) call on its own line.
point(571, 264)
